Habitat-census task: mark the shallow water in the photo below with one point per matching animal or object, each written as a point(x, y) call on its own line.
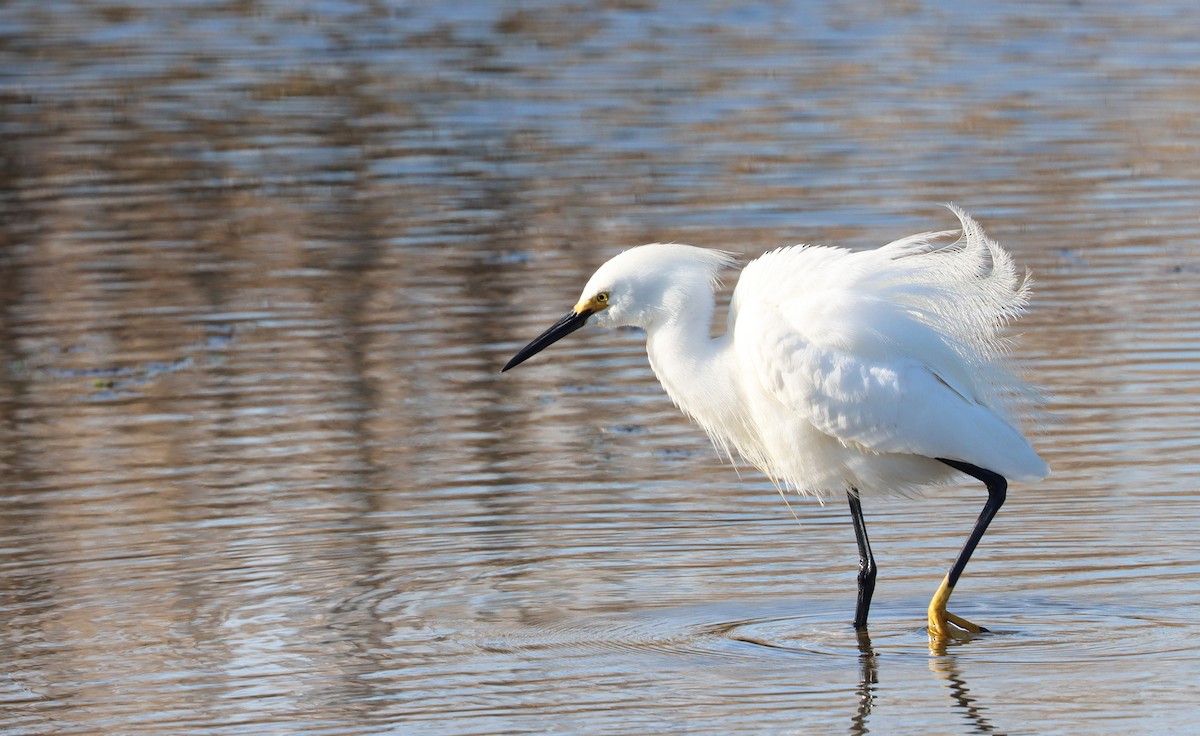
point(262, 263)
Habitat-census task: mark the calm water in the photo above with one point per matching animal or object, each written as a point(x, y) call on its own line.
point(261, 263)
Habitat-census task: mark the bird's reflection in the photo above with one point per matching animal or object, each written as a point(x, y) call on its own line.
point(868, 680)
point(946, 666)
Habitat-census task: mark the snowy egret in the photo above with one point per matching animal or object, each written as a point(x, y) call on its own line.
point(861, 373)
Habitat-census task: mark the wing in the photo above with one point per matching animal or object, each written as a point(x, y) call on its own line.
point(866, 371)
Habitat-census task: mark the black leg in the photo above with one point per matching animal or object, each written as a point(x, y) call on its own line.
point(997, 487)
point(866, 562)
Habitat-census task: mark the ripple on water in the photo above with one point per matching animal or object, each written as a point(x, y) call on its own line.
point(1092, 634)
point(1032, 632)
point(688, 631)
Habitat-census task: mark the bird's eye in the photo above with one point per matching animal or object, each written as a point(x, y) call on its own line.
point(602, 298)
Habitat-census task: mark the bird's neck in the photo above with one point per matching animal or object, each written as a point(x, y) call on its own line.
point(692, 366)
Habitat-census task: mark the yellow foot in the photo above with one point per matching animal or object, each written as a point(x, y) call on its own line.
point(964, 624)
point(944, 625)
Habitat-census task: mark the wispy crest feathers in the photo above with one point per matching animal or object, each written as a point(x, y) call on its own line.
point(963, 294)
point(968, 292)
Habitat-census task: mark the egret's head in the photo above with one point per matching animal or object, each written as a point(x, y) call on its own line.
point(638, 288)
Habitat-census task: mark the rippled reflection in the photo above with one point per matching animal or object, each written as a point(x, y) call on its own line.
point(261, 263)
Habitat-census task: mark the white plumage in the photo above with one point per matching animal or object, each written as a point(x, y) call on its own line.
point(839, 371)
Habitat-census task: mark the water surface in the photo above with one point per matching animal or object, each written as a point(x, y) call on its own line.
point(261, 263)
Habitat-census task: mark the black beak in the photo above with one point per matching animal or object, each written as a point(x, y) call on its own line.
point(565, 326)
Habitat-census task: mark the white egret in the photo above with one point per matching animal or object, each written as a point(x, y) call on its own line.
point(860, 373)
